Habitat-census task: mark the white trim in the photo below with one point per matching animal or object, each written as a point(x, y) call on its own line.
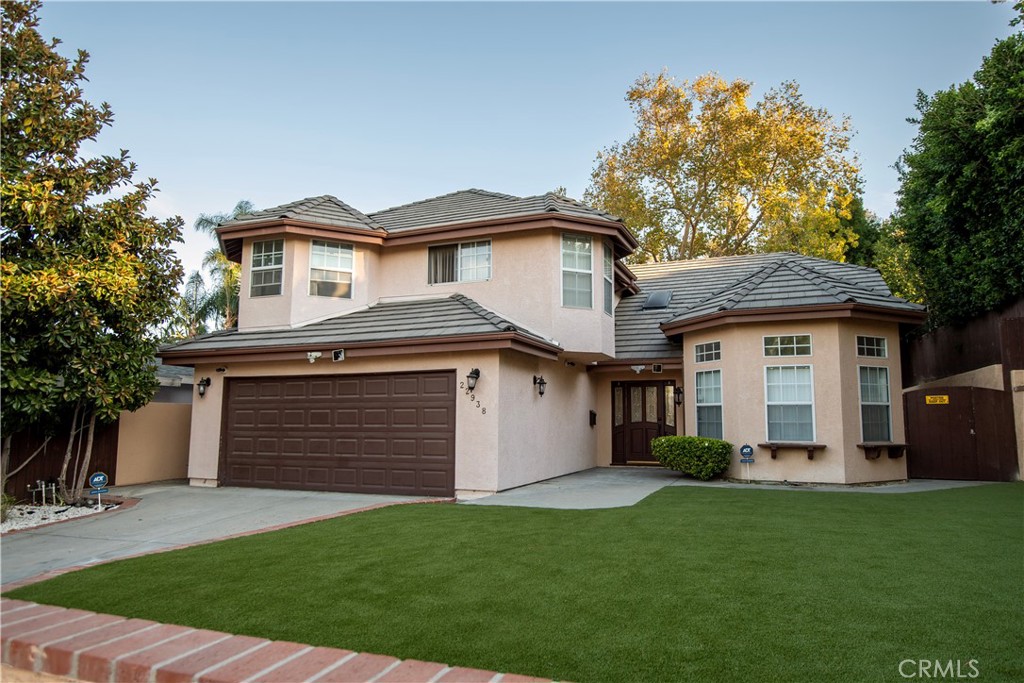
point(810, 341)
point(711, 360)
point(562, 269)
point(885, 345)
point(697, 404)
point(253, 269)
point(351, 271)
point(860, 399)
point(458, 261)
point(814, 417)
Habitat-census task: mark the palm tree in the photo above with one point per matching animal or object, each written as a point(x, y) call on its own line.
point(226, 273)
point(195, 306)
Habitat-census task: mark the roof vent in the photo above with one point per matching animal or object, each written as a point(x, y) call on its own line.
point(657, 300)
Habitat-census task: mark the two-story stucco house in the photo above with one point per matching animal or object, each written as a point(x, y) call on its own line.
point(478, 341)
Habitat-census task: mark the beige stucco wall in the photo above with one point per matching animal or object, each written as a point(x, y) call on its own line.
point(476, 437)
point(295, 306)
point(1017, 387)
point(525, 287)
point(835, 392)
point(153, 443)
point(544, 436)
point(989, 377)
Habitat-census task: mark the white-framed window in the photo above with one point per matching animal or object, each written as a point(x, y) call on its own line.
point(267, 270)
point(708, 387)
point(789, 402)
point(788, 345)
point(577, 271)
point(872, 347)
point(609, 278)
point(330, 269)
point(875, 408)
point(705, 353)
point(464, 262)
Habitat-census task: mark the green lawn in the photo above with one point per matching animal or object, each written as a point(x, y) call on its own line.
point(691, 584)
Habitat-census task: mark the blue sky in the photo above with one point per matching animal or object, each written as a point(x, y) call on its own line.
point(385, 103)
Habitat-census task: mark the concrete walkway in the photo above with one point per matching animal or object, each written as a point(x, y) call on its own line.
point(168, 516)
point(610, 487)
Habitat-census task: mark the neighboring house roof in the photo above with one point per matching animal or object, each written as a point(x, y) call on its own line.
point(385, 324)
point(705, 290)
point(173, 375)
point(466, 206)
point(324, 210)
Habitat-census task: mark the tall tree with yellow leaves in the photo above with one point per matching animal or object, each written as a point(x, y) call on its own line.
point(706, 174)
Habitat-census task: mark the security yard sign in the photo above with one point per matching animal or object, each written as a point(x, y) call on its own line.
point(937, 399)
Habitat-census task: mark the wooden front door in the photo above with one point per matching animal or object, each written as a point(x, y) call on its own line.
point(641, 411)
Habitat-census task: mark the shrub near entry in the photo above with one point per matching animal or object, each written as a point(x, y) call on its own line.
point(698, 456)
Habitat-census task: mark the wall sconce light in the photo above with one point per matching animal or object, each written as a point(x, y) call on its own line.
point(203, 383)
point(472, 377)
point(540, 384)
point(678, 394)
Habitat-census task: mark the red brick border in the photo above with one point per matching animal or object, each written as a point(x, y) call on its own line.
point(100, 647)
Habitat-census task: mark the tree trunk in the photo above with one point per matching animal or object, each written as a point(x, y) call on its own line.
point(62, 480)
point(83, 476)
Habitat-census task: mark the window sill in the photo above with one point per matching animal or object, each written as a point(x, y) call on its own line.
point(776, 446)
point(873, 449)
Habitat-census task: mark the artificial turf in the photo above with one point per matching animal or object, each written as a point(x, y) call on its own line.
point(691, 584)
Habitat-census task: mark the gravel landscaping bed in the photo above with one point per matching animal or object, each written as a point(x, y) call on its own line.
point(28, 516)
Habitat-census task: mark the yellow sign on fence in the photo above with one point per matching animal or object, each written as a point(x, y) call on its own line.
point(937, 400)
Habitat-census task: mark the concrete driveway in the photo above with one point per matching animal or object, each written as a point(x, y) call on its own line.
point(167, 516)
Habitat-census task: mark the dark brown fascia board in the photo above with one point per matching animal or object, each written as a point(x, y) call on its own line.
point(625, 277)
point(624, 238)
point(231, 236)
point(500, 340)
point(620, 365)
point(786, 313)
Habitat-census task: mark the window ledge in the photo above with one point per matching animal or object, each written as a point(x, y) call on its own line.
point(776, 446)
point(873, 449)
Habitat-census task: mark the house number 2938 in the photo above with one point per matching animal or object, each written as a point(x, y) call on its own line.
point(472, 398)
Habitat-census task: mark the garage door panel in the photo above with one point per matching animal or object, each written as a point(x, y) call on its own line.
point(374, 433)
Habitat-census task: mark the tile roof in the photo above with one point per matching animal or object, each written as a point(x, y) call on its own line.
point(325, 209)
point(389, 321)
point(703, 287)
point(477, 205)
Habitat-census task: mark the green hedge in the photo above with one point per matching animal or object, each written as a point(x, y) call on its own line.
point(698, 456)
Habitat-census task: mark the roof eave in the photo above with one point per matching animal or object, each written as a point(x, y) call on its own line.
point(842, 310)
point(231, 236)
point(447, 344)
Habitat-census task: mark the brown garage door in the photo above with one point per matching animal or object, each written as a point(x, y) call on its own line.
point(359, 433)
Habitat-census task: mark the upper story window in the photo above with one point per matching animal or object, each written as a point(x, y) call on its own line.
point(267, 271)
point(465, 262)
point(872, 347)
point(609, 278)
point(330, 269)
point(710, 351)
point(577, 271)
point(789, 345)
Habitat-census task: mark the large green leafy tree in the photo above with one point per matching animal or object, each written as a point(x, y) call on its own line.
point(706, 173)
point(86, 274)
point(961, 201)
